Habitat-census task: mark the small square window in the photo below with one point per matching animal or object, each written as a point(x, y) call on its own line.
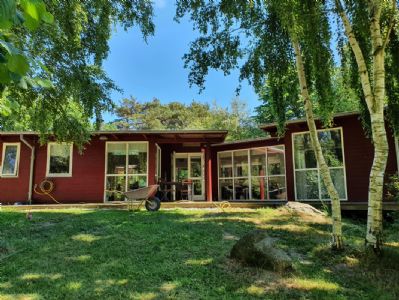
point(59, 160)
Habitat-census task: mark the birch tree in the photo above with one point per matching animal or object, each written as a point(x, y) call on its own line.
point(273, 35)
point(372, 81)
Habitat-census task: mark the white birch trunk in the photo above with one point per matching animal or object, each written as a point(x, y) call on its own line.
point(337, 240)
point(374, 96)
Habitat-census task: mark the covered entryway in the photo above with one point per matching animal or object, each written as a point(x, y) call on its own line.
point(189, 167)
point(135, 159)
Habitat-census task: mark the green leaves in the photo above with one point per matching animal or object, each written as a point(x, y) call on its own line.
point(31, 14)
point(14, 63)
point(18, 64)
point(7, 13)
point(34, 11)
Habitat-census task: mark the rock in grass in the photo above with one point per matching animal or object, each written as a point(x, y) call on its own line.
point(303, 208)
point(258, 249)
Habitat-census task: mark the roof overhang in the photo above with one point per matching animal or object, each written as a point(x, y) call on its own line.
point(269, 126)
point(160, 136)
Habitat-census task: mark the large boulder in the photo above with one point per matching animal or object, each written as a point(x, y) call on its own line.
point(258, 249)
point(305, 208)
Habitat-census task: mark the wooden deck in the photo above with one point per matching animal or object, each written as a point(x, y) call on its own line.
point(347, 206)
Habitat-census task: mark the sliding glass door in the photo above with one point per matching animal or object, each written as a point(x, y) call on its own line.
point(126, 168)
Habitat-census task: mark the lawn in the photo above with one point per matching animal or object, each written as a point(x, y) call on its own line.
point(183, 254)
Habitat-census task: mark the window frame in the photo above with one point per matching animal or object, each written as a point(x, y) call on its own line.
point(158, 167)
point(343, 167)
point(249, 177)
point(17, 161)
point(126, 175)
point(69, 174)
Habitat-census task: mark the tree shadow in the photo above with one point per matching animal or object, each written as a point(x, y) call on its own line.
point(170, 254)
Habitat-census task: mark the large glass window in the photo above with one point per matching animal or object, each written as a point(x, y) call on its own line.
point(252, 174)
point(59, 159)
point(126, 168)
point(308, 182)
point(10, 161)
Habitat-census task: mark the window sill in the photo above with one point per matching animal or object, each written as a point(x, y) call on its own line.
point(59, 175)
point(9, 176)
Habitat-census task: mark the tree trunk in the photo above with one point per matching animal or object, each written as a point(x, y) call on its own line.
point(337, 240)
point(374, 96)
point(376, 185)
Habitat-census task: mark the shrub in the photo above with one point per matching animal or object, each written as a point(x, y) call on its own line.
point(392, 187)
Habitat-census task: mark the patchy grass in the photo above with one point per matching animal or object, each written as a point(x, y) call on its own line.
point(183, 254)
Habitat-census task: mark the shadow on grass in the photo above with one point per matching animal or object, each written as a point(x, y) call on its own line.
point(170, 254)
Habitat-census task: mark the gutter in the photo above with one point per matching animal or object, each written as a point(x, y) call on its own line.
point(32, 162)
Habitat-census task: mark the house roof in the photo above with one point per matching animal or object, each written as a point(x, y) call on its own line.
point(244, 141)
point(213, 136)
point(302, 120)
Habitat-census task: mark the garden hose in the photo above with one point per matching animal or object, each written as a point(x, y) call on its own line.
point(46, 187)
point(222, 205)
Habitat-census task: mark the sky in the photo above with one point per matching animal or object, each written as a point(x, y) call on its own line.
point(156, 69)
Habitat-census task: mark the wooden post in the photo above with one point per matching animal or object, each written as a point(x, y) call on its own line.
point(208, 172)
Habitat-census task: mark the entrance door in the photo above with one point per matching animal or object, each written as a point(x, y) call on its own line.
point(190, 166)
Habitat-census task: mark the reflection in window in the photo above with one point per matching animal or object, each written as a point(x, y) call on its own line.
point(226, 189)
point(10, 160)
point(225, 164)
point(258, 162)
point(126, 168)
point(240, 159)
point(59, 159)
point(137, 156)
point(259, 188)
point(258, 174)
point(308, 182)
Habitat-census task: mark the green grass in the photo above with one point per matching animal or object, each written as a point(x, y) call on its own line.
point(183, 254)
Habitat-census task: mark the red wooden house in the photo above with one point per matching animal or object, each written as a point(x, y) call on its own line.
point(273, 169)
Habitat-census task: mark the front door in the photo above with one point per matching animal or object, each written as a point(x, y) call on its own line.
point(190, 166)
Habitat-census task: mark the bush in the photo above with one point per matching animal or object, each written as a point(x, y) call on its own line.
point(392, 187)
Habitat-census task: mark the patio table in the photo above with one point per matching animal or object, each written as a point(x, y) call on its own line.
point(166, 187)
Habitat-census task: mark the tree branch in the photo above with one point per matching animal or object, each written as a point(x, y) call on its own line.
point(357, 51)
point(391, 25)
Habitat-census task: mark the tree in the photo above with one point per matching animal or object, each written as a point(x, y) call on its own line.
point(14, 61)
point(273, 38)
point(133, 114)
point(69, 54)
point(374, 23)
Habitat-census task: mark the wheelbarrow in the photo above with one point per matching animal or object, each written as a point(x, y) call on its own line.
point(142, 195)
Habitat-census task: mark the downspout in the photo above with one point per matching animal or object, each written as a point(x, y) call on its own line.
point(32, 162)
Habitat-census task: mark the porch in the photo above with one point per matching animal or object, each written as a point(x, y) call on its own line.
point(179, 161)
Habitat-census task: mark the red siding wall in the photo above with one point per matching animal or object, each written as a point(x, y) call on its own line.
point(87, 181)
point(15, 189)
point(88, 170)
point(358, 152)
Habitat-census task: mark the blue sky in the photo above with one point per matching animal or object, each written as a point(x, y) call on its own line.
point(156, 69)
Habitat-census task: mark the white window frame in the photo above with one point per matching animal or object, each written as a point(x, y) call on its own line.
point(158, 167)
point(127, 164)
point(17, 160)
point(250, 172)
point(317, 168)
point(188, 155)
point(69, 174)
